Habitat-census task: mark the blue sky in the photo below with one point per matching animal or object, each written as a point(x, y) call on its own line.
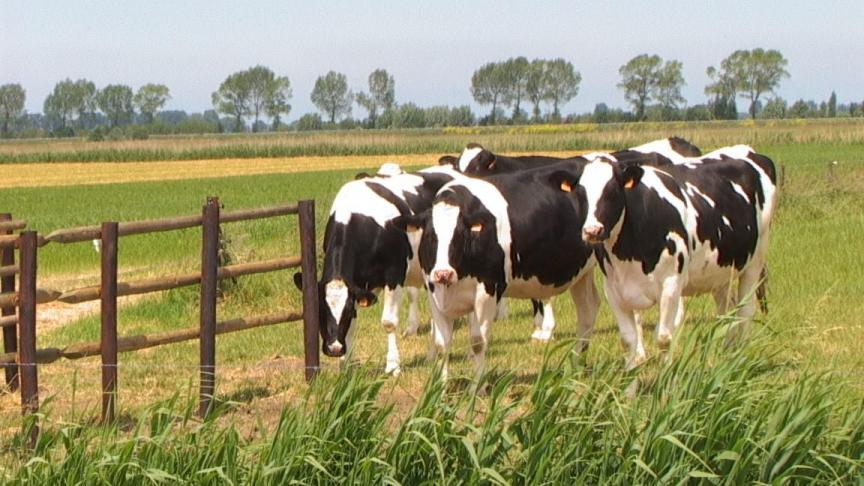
point(431, 48)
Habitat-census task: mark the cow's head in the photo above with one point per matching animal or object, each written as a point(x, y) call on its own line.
point(337, 308)
point(605, 184)
point(476, 161)
point(461, 237)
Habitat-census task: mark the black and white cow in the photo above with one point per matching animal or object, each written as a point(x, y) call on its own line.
point(476, 161)
point(363, 255)
point(515, 235)
point(678, 229)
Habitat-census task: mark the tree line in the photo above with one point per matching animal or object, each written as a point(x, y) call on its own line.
point(510, 88)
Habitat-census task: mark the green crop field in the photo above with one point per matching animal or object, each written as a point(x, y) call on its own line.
point(787, 405)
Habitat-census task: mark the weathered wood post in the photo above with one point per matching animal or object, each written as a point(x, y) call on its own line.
point(27, 329)
point(108, 337)
point(209, 268)
point(7, 284)
point(306, 214)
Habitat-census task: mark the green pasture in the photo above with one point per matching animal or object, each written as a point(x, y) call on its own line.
point(520, 138)
point(816, 298)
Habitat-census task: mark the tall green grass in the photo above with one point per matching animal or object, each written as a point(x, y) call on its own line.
point(710, 415)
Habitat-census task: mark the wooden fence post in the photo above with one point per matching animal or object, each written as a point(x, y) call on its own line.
point(209, 268)
point(108, 336)
point(306, 213)
point(27, 329)
point(7, 284)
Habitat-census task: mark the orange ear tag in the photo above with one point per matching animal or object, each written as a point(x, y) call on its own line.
point(629, 184)
point(363, 302)
point(566, 186)
point(477, 228)
point(411, 228)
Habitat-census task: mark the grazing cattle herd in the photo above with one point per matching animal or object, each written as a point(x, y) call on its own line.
point(661, 221)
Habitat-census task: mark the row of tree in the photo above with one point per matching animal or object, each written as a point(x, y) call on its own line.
point(651, 85)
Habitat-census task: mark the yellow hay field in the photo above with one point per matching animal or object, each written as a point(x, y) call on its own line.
point(81, 173)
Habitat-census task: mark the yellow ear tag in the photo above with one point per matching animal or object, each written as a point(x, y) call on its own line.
point(363, 302)
point(629, 184)
point(477, 228)
point(411, 228)
point(566, 186)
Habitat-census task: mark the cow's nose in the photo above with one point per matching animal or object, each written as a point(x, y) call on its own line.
point(335, 347)
point(445, 277)
point(592, 232)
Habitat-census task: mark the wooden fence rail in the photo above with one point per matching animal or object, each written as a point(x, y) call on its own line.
point(21, 361)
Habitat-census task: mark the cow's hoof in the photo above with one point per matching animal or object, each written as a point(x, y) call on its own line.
point(393, 369)
point(663, 342)
point(634, 362)
point(541, 336)
point(411, 331)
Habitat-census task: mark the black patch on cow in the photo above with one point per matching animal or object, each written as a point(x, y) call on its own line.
point(546, 222)
point(680, 262)
point(388, 196)
point(486, 163)
point(735, 242)
point(765, 164)
point(634, 157)
point(648, 220)
point(432, 182)
point(684, 147)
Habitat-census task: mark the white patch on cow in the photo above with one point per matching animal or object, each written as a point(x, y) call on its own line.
point(693, 191)
point(467, 156)
point(336, 296)
point(740, 190)
point(444, 218)
point(664, 148)
point(595, 176)
point(389, 169)
point(356, 197)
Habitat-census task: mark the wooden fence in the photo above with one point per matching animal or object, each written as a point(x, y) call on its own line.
point(21, 357)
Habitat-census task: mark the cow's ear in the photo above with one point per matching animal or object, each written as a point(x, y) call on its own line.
point(564, 180)
point(631, 174)
point(361, 175)
point(298, 280)
point(365, 298)
point(409, 223)
point(449, 160)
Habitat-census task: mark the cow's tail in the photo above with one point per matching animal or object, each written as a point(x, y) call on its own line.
point(762, 290)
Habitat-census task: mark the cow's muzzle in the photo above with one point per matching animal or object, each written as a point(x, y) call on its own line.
point(593, 233)
point(334, 349)
point(444, 276)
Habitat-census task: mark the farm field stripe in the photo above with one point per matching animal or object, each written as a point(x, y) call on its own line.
point(81, 173)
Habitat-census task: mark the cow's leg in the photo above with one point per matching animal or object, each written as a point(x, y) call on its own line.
point(345, 359)
point(670, 307)
point(537, 309)
point(413, 311)
point(484, 313)
point(503, 311)
point(543, 332)
point(747, 283)
point(441, 337)
point(631, 333)
point(390, 321)
point(721, 296)
point(587, 303)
